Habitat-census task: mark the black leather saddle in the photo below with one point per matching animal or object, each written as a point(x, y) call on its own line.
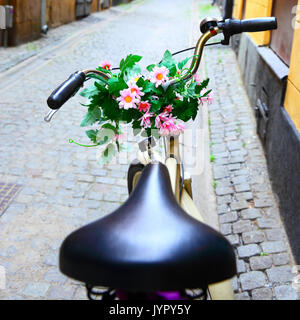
point(148, 244)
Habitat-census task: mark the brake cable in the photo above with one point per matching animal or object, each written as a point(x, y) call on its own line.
point(184, 50)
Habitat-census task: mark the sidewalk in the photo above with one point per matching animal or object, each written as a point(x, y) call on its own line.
point(248, 211)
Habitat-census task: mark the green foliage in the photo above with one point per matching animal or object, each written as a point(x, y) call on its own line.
point(104, 112)
point(92, 134)
point(212, 158)
point(93, 115)
point(128, 63)
point(169, 62)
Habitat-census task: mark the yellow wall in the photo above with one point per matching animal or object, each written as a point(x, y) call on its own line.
point(256, 9)
point(237, 9)
point(292, 97)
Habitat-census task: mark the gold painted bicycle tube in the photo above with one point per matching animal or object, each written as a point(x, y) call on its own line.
point(198, 53)
point(100, 73)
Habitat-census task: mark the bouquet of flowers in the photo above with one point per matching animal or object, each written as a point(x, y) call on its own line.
point(147, 103)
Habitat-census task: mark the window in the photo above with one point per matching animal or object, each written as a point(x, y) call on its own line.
point(282, 38)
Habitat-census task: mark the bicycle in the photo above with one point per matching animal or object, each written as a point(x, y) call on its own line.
point(156, 245)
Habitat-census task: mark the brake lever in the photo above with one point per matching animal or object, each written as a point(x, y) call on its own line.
point(50, 115)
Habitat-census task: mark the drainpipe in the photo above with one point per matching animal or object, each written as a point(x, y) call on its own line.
point(44, 27)
point(228, 9)
point(5, 30)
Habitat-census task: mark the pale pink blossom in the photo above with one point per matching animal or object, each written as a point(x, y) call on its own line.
point(166, 127)
point(168, 108)
point(135, 89)
point(178, 127)
point(120, 137)
point(105, 64)
point(127, 100)
point(145, 120)
point(171, 126)
point(159, 75)
point(144, 106)
point(160, 118)
point(197, 78)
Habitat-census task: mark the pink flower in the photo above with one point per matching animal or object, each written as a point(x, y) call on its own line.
point(135, 89)
point(159, 75)
point(127, 99)
point(178, 127)
point(166, 127)
point(168, 108)
point(160, 119)
point(120, 137)
point(197, 78)
point(145, 120)
point(144, 106)
point(105, 64)
point(171, 126)
point(208, 98)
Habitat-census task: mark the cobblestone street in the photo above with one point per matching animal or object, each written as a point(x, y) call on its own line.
point(248, 210)
point(63, 187)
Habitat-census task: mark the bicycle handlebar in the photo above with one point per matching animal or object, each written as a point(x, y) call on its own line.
point(66, 90)
point(210, 28)
point(235, 26)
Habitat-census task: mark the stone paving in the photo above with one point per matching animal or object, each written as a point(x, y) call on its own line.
point(64, 188)
point(11, 56)
point(248, 210)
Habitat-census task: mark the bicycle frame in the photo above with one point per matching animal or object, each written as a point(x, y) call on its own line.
point(217, 291)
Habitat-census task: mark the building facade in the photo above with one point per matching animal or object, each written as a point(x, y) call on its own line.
point(30, 15)
point(269, 63)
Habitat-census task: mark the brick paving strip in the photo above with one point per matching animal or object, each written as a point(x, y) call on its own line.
point(248, 211)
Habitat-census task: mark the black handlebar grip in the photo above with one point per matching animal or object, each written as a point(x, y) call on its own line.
point(235, 26)
point(66, 90)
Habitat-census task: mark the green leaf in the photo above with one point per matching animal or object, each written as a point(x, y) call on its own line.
point(183, 63)
point(169, 62)
point(141, 82)
point(156, 105)
point(150, 67)
point(89, 92)
point(104, 135)
point(198, 89)
point(150, 87)
point(204, 83)
point(206, 93)
point(135, 70)
point(129, 115)
point(110, 108)
point(110, 127)
point(93, 115)
point(129, 62)
point(115, 85)
point(108, 154)
point(92, 134)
